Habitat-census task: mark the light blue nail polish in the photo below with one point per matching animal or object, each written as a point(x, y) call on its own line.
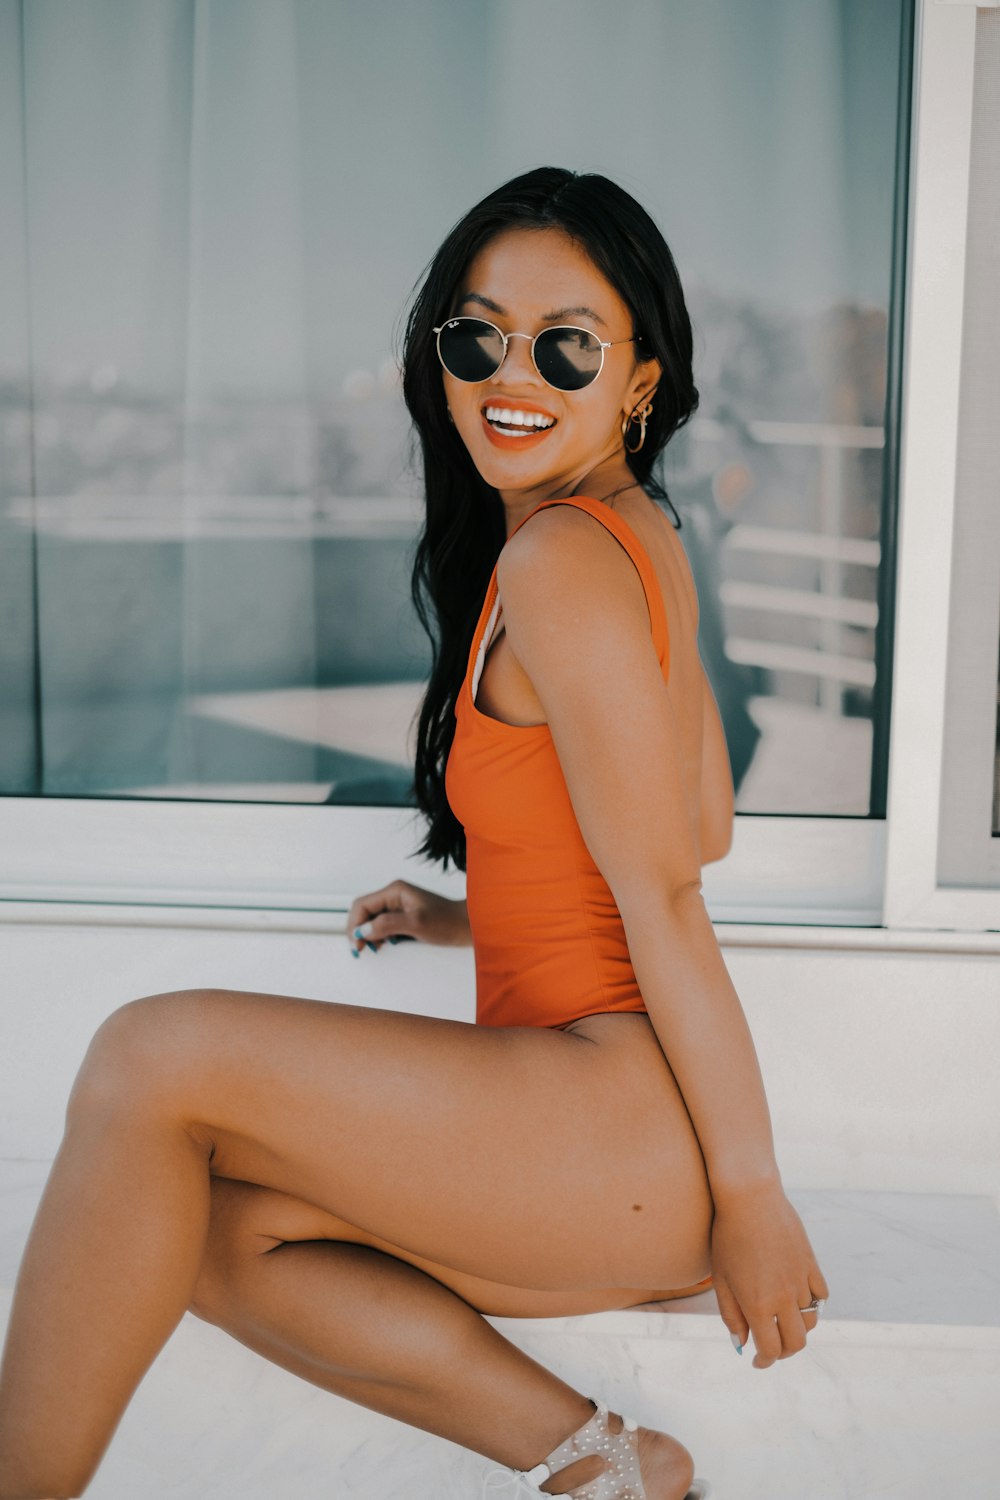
point(736, 1343)
point(357, 932)
point(355, 952)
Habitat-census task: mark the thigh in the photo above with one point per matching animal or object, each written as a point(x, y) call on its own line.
point(525, 1156)
point(248, 1221)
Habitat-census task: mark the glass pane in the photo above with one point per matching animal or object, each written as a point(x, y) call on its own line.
point(214, 217)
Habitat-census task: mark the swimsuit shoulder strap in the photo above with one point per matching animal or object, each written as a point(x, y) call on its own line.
point(624, 534)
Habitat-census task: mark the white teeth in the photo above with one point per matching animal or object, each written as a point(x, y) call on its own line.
point(511, 418)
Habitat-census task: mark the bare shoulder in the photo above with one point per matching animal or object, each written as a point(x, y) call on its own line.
point(547, 533)
point(565, 556)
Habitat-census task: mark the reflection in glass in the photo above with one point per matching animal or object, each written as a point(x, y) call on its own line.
point(207, 513)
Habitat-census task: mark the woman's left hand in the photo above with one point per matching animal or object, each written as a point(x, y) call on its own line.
point(764, 1271)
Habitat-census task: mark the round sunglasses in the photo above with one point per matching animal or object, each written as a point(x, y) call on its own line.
point(566, 358)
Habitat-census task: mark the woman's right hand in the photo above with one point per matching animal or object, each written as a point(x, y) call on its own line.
point(401, 910)
point(765, 1271)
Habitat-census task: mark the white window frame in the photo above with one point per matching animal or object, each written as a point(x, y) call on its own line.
point(934, 585)
point(277, 864)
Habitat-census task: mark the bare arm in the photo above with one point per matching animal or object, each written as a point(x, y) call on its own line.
point(591, 661)
point(717, 809)
point(577, 620)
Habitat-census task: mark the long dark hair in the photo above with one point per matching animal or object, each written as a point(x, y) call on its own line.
point(465, 527)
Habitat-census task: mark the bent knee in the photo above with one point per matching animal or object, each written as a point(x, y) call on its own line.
point(142, 1043)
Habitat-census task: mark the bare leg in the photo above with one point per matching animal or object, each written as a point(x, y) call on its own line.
point(384, 1334)
point(116, 1251)
point(108, 1271)
point(346, 1317)
point(364, 1325)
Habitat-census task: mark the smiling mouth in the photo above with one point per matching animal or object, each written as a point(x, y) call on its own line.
point(511, 422)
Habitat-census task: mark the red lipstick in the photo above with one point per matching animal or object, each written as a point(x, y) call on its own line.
point(531, 438)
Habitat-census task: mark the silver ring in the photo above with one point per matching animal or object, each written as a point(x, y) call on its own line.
point(816, 1305)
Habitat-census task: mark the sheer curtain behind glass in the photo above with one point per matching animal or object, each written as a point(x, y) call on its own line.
point(215, 211)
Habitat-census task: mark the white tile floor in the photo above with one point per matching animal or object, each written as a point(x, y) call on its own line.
point(896, 1397)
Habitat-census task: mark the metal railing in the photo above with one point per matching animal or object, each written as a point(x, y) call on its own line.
point(827, 662)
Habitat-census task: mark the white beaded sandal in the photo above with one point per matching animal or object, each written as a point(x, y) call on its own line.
point(621, 1480)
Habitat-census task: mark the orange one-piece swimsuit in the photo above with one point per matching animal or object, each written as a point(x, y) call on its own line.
point(549, 941)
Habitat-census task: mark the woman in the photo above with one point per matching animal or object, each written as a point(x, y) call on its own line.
point(310, 1176)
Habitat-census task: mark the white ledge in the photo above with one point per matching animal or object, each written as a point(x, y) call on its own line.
point(773, 935)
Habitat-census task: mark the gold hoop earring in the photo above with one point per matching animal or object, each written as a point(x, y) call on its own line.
point(641, 419)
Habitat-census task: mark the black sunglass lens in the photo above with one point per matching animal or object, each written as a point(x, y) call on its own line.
point(568, 358)
point(471, 349)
